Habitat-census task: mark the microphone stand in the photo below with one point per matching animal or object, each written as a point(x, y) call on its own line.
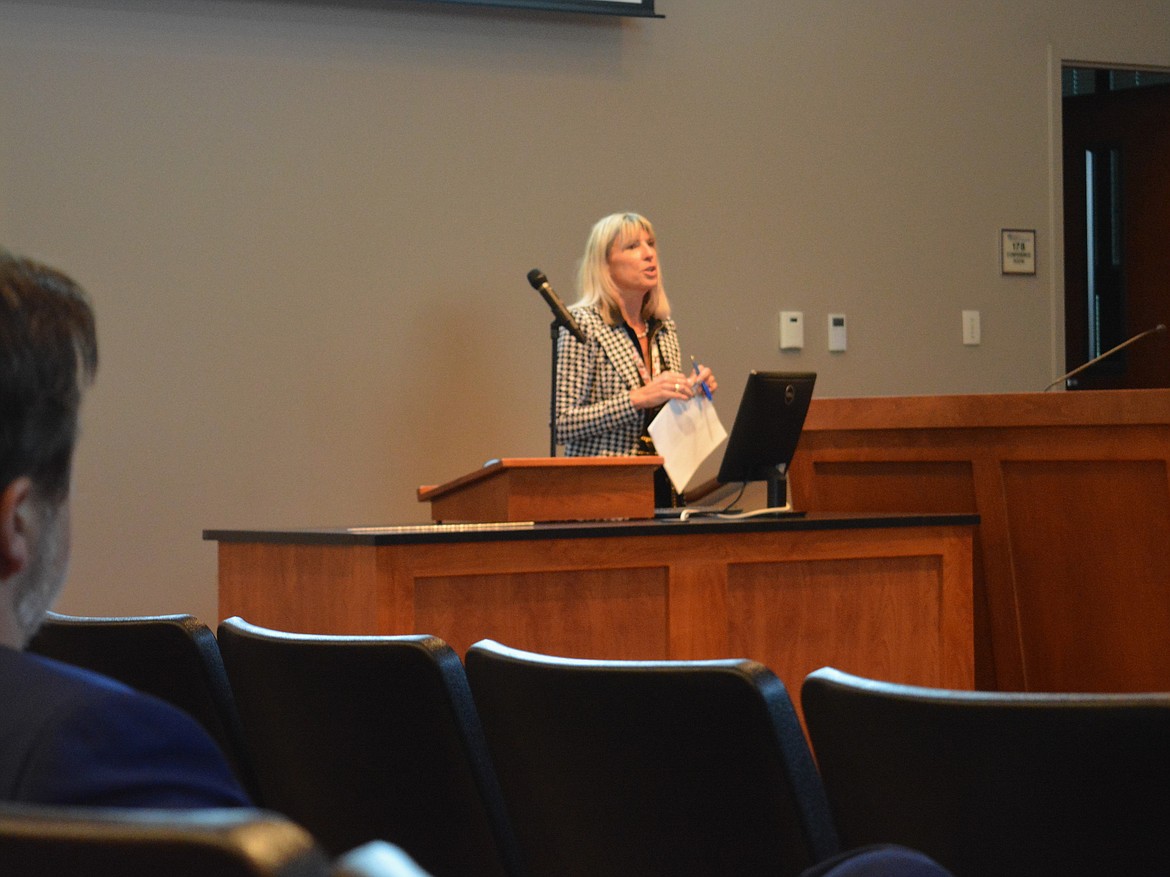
point(554, 332)
point(561, 317)
point(1161, 327)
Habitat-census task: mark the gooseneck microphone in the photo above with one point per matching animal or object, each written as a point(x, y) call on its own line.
point(1161, 327)
point(563, 317)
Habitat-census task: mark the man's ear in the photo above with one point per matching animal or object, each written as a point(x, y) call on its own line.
point(14, 535)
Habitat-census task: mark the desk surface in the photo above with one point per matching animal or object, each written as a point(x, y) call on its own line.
point(407, 534)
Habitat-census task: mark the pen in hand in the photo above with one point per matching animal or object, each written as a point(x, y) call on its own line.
point(703, 384)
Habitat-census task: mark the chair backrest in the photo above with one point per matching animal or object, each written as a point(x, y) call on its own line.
point(362, 738)
point(996, 783)
point(650, 767)
point(53, 842)
point(173, 657)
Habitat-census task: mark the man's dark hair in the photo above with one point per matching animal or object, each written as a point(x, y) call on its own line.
point(48, 352)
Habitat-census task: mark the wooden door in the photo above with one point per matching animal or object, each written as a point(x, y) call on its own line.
point(1135, 124)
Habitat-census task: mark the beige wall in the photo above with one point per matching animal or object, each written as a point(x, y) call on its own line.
point(306, 226)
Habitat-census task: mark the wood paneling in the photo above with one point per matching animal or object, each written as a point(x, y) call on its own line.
point(1098, 610)
point(843, 613)
point(891, 601)
point(1072, 582)
point(592, 613)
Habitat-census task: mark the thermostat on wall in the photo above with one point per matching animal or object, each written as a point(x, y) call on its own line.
point(836, 333)
point(791, 330)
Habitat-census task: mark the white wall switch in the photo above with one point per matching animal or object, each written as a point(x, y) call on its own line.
point(837, 333)
point(791, 330)
point(971, 328)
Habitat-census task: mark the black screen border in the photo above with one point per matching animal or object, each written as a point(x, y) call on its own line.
point(754, 450)
point(641, 9)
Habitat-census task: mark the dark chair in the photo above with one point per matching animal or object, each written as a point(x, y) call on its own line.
point(173, 657)
point(996, 783)
point(56, 842)
point(363, 738)
point(650, 768)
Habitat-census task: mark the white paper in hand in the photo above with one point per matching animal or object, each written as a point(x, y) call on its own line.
point(685, 434)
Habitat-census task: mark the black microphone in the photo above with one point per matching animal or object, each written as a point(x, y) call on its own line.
point(1161, 327)
point(563, 317)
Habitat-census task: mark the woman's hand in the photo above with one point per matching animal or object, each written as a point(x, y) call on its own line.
point(664, 387)
point(704, 375)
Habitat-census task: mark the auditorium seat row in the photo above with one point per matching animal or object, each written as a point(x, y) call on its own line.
point(521, 765)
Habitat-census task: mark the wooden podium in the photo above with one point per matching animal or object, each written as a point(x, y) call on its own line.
point(547, 489)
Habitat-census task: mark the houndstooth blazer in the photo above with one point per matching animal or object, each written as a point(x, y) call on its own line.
point(595, 417)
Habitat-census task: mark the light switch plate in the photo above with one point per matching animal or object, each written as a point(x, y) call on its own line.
point(971, 332)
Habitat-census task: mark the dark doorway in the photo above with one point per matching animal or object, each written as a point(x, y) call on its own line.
point(1116, 134)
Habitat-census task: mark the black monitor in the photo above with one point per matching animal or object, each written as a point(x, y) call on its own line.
point(766, 430)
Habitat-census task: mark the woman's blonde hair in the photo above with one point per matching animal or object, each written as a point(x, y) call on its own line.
point(593, 278)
